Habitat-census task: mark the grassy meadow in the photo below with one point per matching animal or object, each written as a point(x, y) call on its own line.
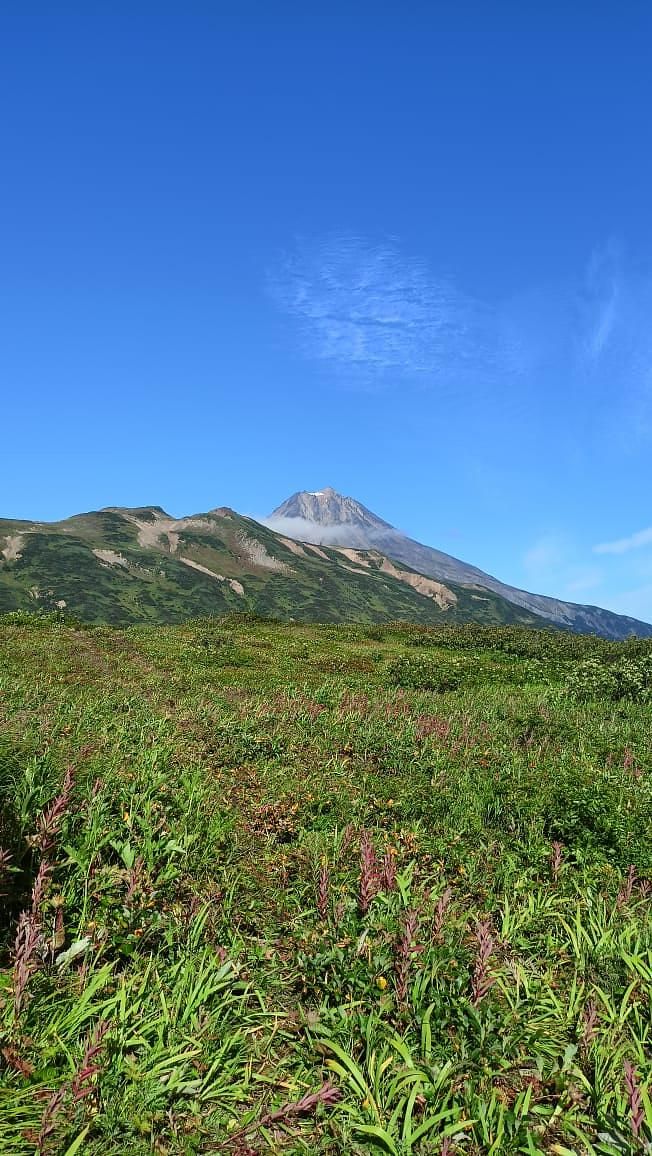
point(270, 888)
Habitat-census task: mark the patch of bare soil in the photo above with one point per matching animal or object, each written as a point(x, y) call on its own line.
point(12, 547)
point(428, 587)
point(256, 553)
point(110, 558)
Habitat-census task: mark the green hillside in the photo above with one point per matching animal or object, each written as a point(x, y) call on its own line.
point(136, 566)
point(337, 890)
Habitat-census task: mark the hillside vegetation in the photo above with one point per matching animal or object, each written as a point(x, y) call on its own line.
point(125, 567)
point(279, 888)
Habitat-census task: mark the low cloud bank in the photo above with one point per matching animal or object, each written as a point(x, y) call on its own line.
point(303, 530)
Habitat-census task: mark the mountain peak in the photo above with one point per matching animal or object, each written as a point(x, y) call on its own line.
point(327, 507)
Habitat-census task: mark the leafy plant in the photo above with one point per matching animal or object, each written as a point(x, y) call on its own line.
point(259, 891)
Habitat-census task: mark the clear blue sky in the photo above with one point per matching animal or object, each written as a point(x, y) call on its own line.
point(401, 248)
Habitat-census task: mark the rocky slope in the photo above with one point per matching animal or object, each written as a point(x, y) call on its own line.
point(326, 516)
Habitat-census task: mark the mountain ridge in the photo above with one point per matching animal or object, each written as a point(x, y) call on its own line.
point(332, 508)
point(126, 565)
point(368, 531)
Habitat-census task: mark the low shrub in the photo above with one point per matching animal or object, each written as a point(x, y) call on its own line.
point(417, 672)
point(628, 678)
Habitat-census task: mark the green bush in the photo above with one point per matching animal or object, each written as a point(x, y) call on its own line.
point(602, 819)
point(42, 618)
point(626, 678)
point(634, 679)
point(416, 672)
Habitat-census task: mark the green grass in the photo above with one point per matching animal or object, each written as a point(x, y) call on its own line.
point(201, 924)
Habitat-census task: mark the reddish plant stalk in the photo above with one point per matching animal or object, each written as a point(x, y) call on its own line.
point(388, 871)
point(28, 939)
point(482, 981)
point(327, 1095)
point(634, 1099)
point(405, 948)
point(51, 818)
point(49, 1118)
point(26, 946)
point(440, 912)
point(135, 879)
point(625, 893)
point(556, 858)
point(80, 1085)
point(323, 890)
point(369, 877)
point(348, 837)
point(590, 1018)
point(72, 1092)
point(40, 887)
point(28, 932)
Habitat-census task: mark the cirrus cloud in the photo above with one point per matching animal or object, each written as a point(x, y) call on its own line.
point(365, 307)
point(624, 545)
point(373, 315)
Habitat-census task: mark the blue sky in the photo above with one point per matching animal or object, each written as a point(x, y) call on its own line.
point(404, 249)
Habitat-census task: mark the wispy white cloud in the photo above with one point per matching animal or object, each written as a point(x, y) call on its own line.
point(578, 350)
point(365, 307)
point(623, 545)
point(600, 302)
point(303, 530)
point(559, 565)
point(614, 343)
